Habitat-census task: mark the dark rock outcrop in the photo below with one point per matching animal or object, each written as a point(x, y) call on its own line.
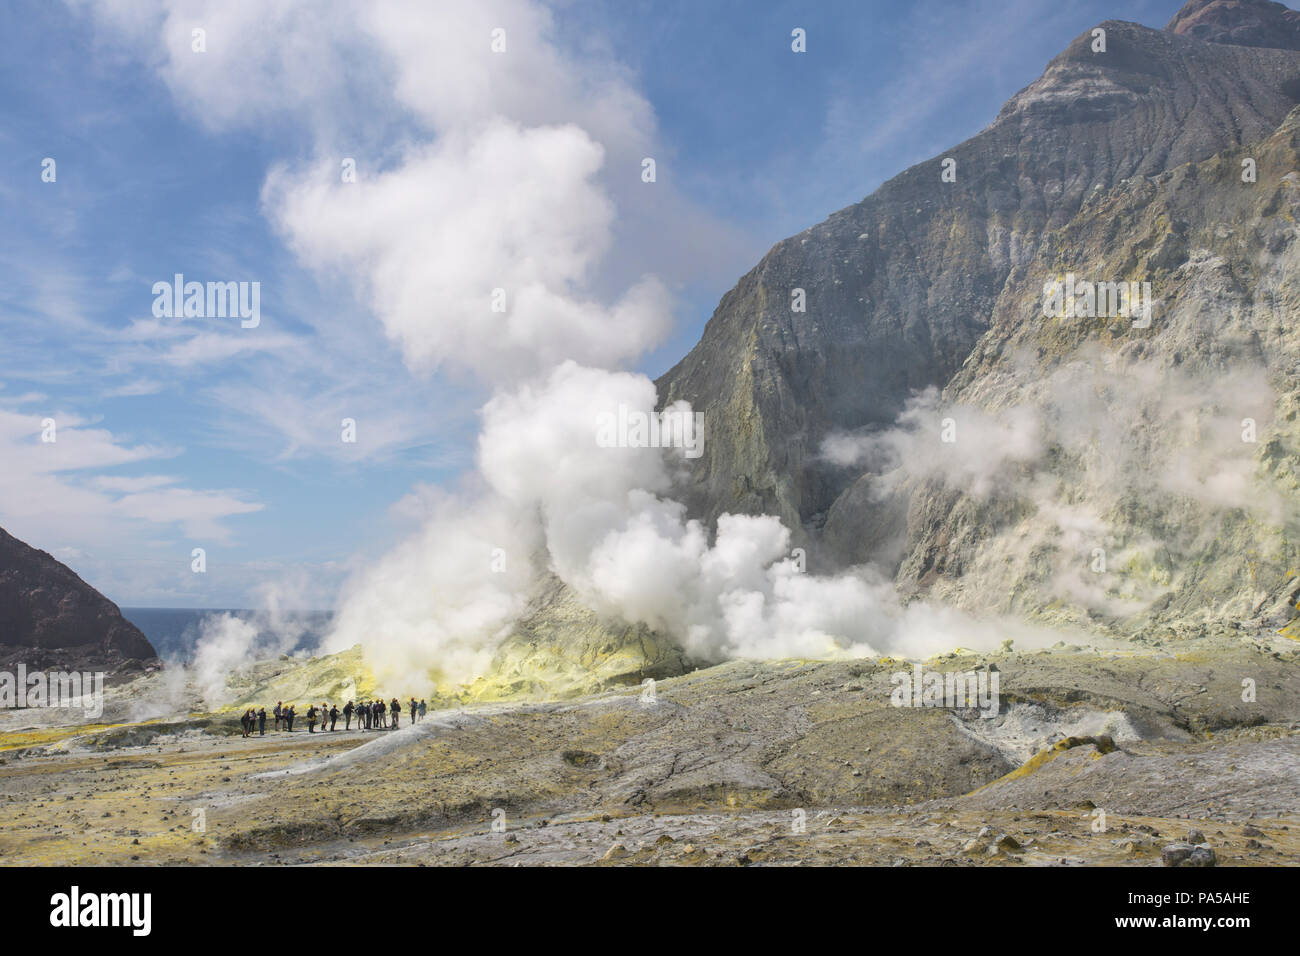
point(51, 619)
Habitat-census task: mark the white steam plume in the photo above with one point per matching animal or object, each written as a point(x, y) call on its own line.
point(509, 175)
point(1080, 450)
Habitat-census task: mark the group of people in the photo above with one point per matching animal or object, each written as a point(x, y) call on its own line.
point(252, 721)
point(369, 714)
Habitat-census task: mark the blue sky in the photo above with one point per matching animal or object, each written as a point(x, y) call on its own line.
point(182, 433)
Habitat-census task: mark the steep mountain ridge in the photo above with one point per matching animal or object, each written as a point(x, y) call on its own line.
point(901, 286)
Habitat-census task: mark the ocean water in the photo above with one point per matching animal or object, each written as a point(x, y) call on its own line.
point(175, 631)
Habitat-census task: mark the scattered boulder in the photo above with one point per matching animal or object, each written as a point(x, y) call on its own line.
point(1187, 854)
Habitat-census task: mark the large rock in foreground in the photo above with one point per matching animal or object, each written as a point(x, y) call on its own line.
point(51, 619)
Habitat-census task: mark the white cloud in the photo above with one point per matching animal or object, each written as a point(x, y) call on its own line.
point(54, 493)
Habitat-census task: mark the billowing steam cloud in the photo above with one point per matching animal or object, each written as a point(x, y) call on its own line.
point(505, 195)
point(1105, 464)
point(604, 523)
point(227, 644)
point(502, 212)
point(440, 602)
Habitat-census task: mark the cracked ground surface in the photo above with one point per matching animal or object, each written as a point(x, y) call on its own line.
point(743, 763)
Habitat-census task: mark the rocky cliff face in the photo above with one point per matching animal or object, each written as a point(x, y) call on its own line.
point(51, 619)
point(1096, 471)
point(1240, 22)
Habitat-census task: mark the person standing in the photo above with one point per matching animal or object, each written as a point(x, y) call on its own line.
point(289, 718)
point(395, 711)
point(279, 713)
point(415, 710)
point(311, 719)
point(424, 708)
point(243, 723)
point(334, 716)
point(261, 722)
point(347, 716)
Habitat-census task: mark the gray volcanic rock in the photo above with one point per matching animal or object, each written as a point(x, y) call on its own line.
point(50, 618)
point(765, 762)
point(901, 286)
point(1149, 449)
point(1170, 157)
point(1241, 22)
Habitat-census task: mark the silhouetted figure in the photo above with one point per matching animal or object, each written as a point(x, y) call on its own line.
point(424, 708)
point(347, 716)
point(311, 719)
point(261, 722)
point(334, 716)
point(279, 713)
point(243, 722)
point(415, 710)
point(395, 711)
point(288, 718)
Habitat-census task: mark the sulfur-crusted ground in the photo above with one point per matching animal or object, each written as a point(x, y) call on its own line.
point(744, 763)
